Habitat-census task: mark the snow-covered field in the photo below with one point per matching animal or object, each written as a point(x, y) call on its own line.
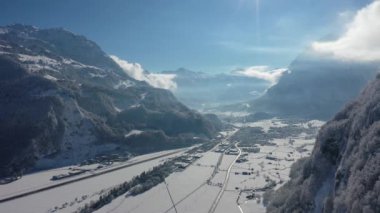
point(191, 192)
point(261, 172)
point(227, 160)
point(271, 165)
point(265, 124)
point(69, 197)
point(182, 185)
point(193, 189)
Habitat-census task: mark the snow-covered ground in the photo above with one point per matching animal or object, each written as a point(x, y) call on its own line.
point(155, 200)
point(182, 185)
point(69, 197)
point(133, 132)
point(228, 202)
point(200, 201)
point(190, 193)
point(227, 160)
point(124, 84)
point(265, 124)
point(193, 189)
point(272, 163)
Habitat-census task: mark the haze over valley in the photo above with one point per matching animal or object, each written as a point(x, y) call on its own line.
point(166, 107)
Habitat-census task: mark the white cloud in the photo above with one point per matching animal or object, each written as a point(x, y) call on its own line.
point(164, 81)
point(346, 15)
point(262, 72)
point(360, 41)
point(135, 70)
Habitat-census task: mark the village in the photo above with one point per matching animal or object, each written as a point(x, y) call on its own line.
point(227, 174)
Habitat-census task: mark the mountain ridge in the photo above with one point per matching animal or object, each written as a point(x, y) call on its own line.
point(64, 100)
point(316, 87)
point(342, 174)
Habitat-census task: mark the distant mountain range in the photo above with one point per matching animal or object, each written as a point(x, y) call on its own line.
point(62, 100)
point(343, 172)
point(316, 87)
point(203, 91)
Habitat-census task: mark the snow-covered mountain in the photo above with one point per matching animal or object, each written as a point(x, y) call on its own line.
point(62, 99)
point(316, 87)
point(342, 174)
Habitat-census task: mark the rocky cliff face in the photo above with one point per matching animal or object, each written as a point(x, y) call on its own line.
point(316, 87)
point(343, 172)
point(62, 99)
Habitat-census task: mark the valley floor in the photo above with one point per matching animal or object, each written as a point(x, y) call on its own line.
point(69, 197)
point(228, 178)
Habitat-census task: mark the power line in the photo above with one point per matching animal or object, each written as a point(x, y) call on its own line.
point(171, 198)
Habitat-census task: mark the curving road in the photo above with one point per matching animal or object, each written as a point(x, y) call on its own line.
point(221, 192)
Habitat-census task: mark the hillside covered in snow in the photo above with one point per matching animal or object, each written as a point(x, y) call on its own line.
point(342, 174)
point(316, 87)
point(62, 100)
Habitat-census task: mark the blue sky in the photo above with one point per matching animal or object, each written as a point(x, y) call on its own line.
point(202, 35)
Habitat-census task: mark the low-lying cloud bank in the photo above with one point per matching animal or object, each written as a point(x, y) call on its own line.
point(135, 70)
point(360, 41)
point(262, 72)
